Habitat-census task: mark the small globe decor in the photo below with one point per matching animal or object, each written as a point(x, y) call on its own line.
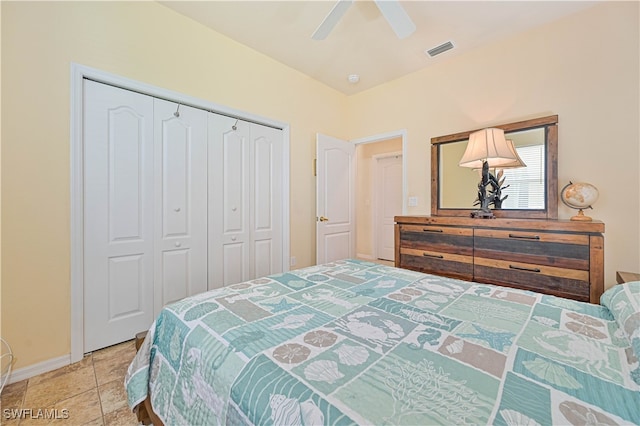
point(579, 196)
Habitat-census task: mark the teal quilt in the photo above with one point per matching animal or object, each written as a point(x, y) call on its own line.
point(354, 342)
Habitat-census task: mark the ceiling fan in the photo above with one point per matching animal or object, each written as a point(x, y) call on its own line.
point(392, 11)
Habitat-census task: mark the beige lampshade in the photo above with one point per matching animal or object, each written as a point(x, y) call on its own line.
point(515, 164)
point(518, 162)
point(491, 146)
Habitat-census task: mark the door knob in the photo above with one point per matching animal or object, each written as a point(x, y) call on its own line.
point(324, 219)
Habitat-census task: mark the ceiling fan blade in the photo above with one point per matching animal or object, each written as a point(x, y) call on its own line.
point(331, 19)
point(397, 17)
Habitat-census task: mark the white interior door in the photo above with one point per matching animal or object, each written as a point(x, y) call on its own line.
point(388, 203)
point(335, 205)
point(180, 168)
point(229, 199)
point(118, 214)
point(266, 208)
point(245, 200)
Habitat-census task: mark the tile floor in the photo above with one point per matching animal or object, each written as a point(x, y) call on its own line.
point(92, 391)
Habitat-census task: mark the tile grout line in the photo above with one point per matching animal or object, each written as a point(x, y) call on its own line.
point(24, 399)
point(95, 377)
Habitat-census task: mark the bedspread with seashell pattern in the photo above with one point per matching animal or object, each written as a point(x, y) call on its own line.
point(353, 342)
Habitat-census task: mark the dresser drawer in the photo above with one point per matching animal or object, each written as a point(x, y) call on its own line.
point(439, 263)
point(569, 283)
point(568, 251)
point(437, 250)
point(439, 239)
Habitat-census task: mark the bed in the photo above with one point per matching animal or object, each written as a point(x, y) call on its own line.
point(354, 342)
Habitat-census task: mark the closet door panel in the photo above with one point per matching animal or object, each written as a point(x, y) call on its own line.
point(266, 216)
point(234, 184)
point(175, 275)
point(234, 269)
point(176, 141)
point(118, 218)
point(181, 201)
point(125, 170)
point(124, 279)
point(263, 183)
point(263, 258)
point(229, 201)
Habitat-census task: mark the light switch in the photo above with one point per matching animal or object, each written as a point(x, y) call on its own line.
point(413, 201)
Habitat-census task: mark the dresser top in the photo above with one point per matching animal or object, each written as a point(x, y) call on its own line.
point(595, 227)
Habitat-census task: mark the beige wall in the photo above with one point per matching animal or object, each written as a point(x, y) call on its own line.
point(364, 191)
point(144, 41)
point(585, 68)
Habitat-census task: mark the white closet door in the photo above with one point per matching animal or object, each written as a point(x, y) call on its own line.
point(266, 209)
point(229, 201)
point(180, 170)
point(118, 214)
point(245, 201)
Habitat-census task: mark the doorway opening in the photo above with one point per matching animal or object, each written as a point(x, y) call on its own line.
point(379, 197)
point(346, 203)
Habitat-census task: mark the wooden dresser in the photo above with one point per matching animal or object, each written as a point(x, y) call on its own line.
point(558, 257)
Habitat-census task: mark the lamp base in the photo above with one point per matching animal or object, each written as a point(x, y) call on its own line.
point(580, 217)
point(481, 214)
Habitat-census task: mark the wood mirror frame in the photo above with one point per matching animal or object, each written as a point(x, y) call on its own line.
point(550, 125)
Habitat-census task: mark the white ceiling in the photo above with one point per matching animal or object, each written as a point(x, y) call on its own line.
point(363, 42)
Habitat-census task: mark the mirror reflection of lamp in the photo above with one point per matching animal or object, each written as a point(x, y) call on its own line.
point(499, 174)
point(489, 149)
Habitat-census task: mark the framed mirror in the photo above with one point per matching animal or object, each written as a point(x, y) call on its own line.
point(532, 190)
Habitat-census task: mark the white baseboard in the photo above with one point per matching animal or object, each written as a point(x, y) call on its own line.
point(39, 368)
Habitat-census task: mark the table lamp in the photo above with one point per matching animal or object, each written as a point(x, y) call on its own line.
point(489, 149)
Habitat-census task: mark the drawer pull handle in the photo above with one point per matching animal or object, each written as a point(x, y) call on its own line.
point(525, 237)
point(437, 256)
point(431, 230)
point(520, 268)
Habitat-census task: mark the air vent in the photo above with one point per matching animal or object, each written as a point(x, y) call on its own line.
point(440, 49)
